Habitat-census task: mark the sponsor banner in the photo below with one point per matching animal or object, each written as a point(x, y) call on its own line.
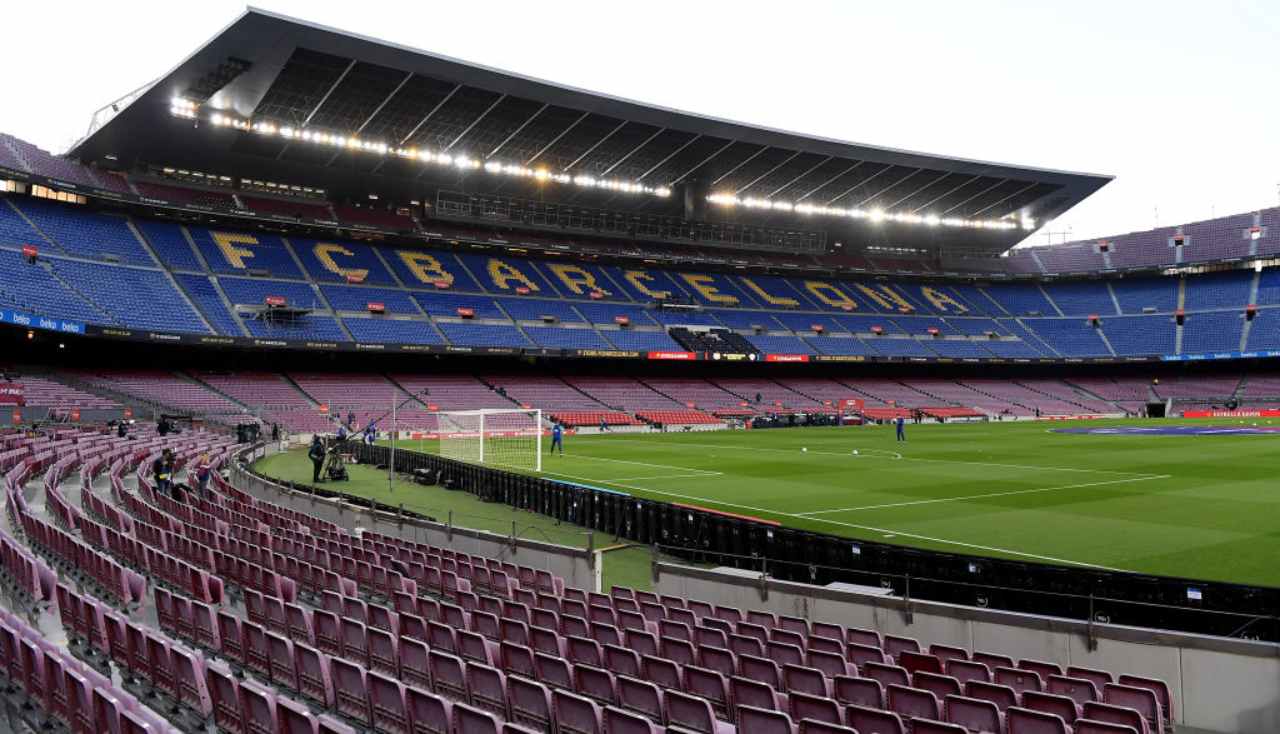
point(676, 356)
point(1081, 417)
point(606, 353)
point(1259, 413)
point(12, 393)
point(839, 358)
point(732, 357)
point(786, 358)
point(31, 321)
point(1220, 355)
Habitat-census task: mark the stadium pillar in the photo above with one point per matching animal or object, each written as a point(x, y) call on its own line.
point(695, 198)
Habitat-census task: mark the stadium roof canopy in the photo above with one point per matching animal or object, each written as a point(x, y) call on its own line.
point(278, 99)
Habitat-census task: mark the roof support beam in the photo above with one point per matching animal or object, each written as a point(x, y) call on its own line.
point(1000, 182)
point(590, 150)
point(784, 186)
point(945, 194)
point(905, 178)
point(673, 153)
point(704, 162)
point(913, 193)
point(992, 205)
point(430, 113)
point(757, 179)
point(324, 98)
point(474, 122)
point(556, 139)
point(870, 178)
point(517, 131)
point(830, 181)
point(633, 151)
point(375, 112)
point(733, 170)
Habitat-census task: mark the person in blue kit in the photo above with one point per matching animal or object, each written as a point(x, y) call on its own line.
point(902, 428)
point(557, 438)
point(604, 425)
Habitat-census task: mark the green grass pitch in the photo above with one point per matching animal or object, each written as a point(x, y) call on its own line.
point(1204, 507)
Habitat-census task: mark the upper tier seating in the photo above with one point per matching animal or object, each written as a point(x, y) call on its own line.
point(225, 276)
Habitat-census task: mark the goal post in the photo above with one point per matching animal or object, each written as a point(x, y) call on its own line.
point(508, 438)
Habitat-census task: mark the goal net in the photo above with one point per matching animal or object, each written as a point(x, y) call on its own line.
point(498, 437)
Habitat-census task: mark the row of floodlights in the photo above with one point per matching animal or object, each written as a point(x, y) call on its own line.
point(872, 215)
point(187, 109)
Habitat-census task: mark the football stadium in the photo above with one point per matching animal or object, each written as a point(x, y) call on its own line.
point(348, 387)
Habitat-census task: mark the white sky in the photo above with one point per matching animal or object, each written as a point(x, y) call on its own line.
point(1177, 99)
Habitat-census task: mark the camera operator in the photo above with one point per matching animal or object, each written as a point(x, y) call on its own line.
point(316, 453)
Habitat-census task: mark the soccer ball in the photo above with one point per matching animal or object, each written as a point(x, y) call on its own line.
point(804, 450)
point(855, 452)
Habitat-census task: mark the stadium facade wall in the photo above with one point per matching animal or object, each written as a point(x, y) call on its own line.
point(1222, 685)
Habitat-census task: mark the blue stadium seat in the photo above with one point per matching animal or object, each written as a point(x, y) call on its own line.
point(1212, 331)
point(780, 344)
point(32, 289)
point(530, 309)
point(839, 345)
point(975, 326)
point(136, 298)
point(484, 335)
point(1012, 349)
point(447, 304)
point(328, 261)
point(358, 298)
point(605, 313)
point(237, 253)
point(203, 294)
point(1073, 337)
point(747, 319)
point(890, 347)
point(420, 269)
point(652, 341)
point(1136, 294)
point(1218, 290)
point(959, 348)
point(375, 330)
point(1081, 299)
point(1140, 335)
point(312, 327)
point(254, 292)
point(554, 337)
point(83, 233)
point(170, 245)
point(1020, 299)
point(1264, 332)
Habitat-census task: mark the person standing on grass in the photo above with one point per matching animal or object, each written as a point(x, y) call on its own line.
point(316, 454)
point(557, 438)
point(902, 428)
point(604, 425)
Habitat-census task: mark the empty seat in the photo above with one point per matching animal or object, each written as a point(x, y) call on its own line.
point(1026, 721)
point(763, 721)
point(913, 703)
point(429, 713)
point(1142, 699)
point(258, 706)
point(886, 674)
point(804, 706)
point(1050, 703)
point(693, 713)
point(595, 683)
point(1018, 680)
point(350, 690)
point(1155, 685)
point(1002, 696)
point(973, 714)
point(746, 692)
point(643, 697)
point(939, 685)
point(575, 714)
point(530, 703)
point(487, 687)
point(388, 704)
point(873, 721)
point(619, 721)
point(1086, 726)
point(470, 720)
point(1111, 714)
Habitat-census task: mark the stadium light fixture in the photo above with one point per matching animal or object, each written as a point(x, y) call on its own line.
point(187, 109)
point(873, 215)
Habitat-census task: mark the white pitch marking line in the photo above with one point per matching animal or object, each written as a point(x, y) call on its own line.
point(686, 469)
point(904, 458)
point(870, 529)
point(983, 496)
point(705, 475)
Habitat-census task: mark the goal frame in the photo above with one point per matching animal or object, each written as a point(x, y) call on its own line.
point(483, 415)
